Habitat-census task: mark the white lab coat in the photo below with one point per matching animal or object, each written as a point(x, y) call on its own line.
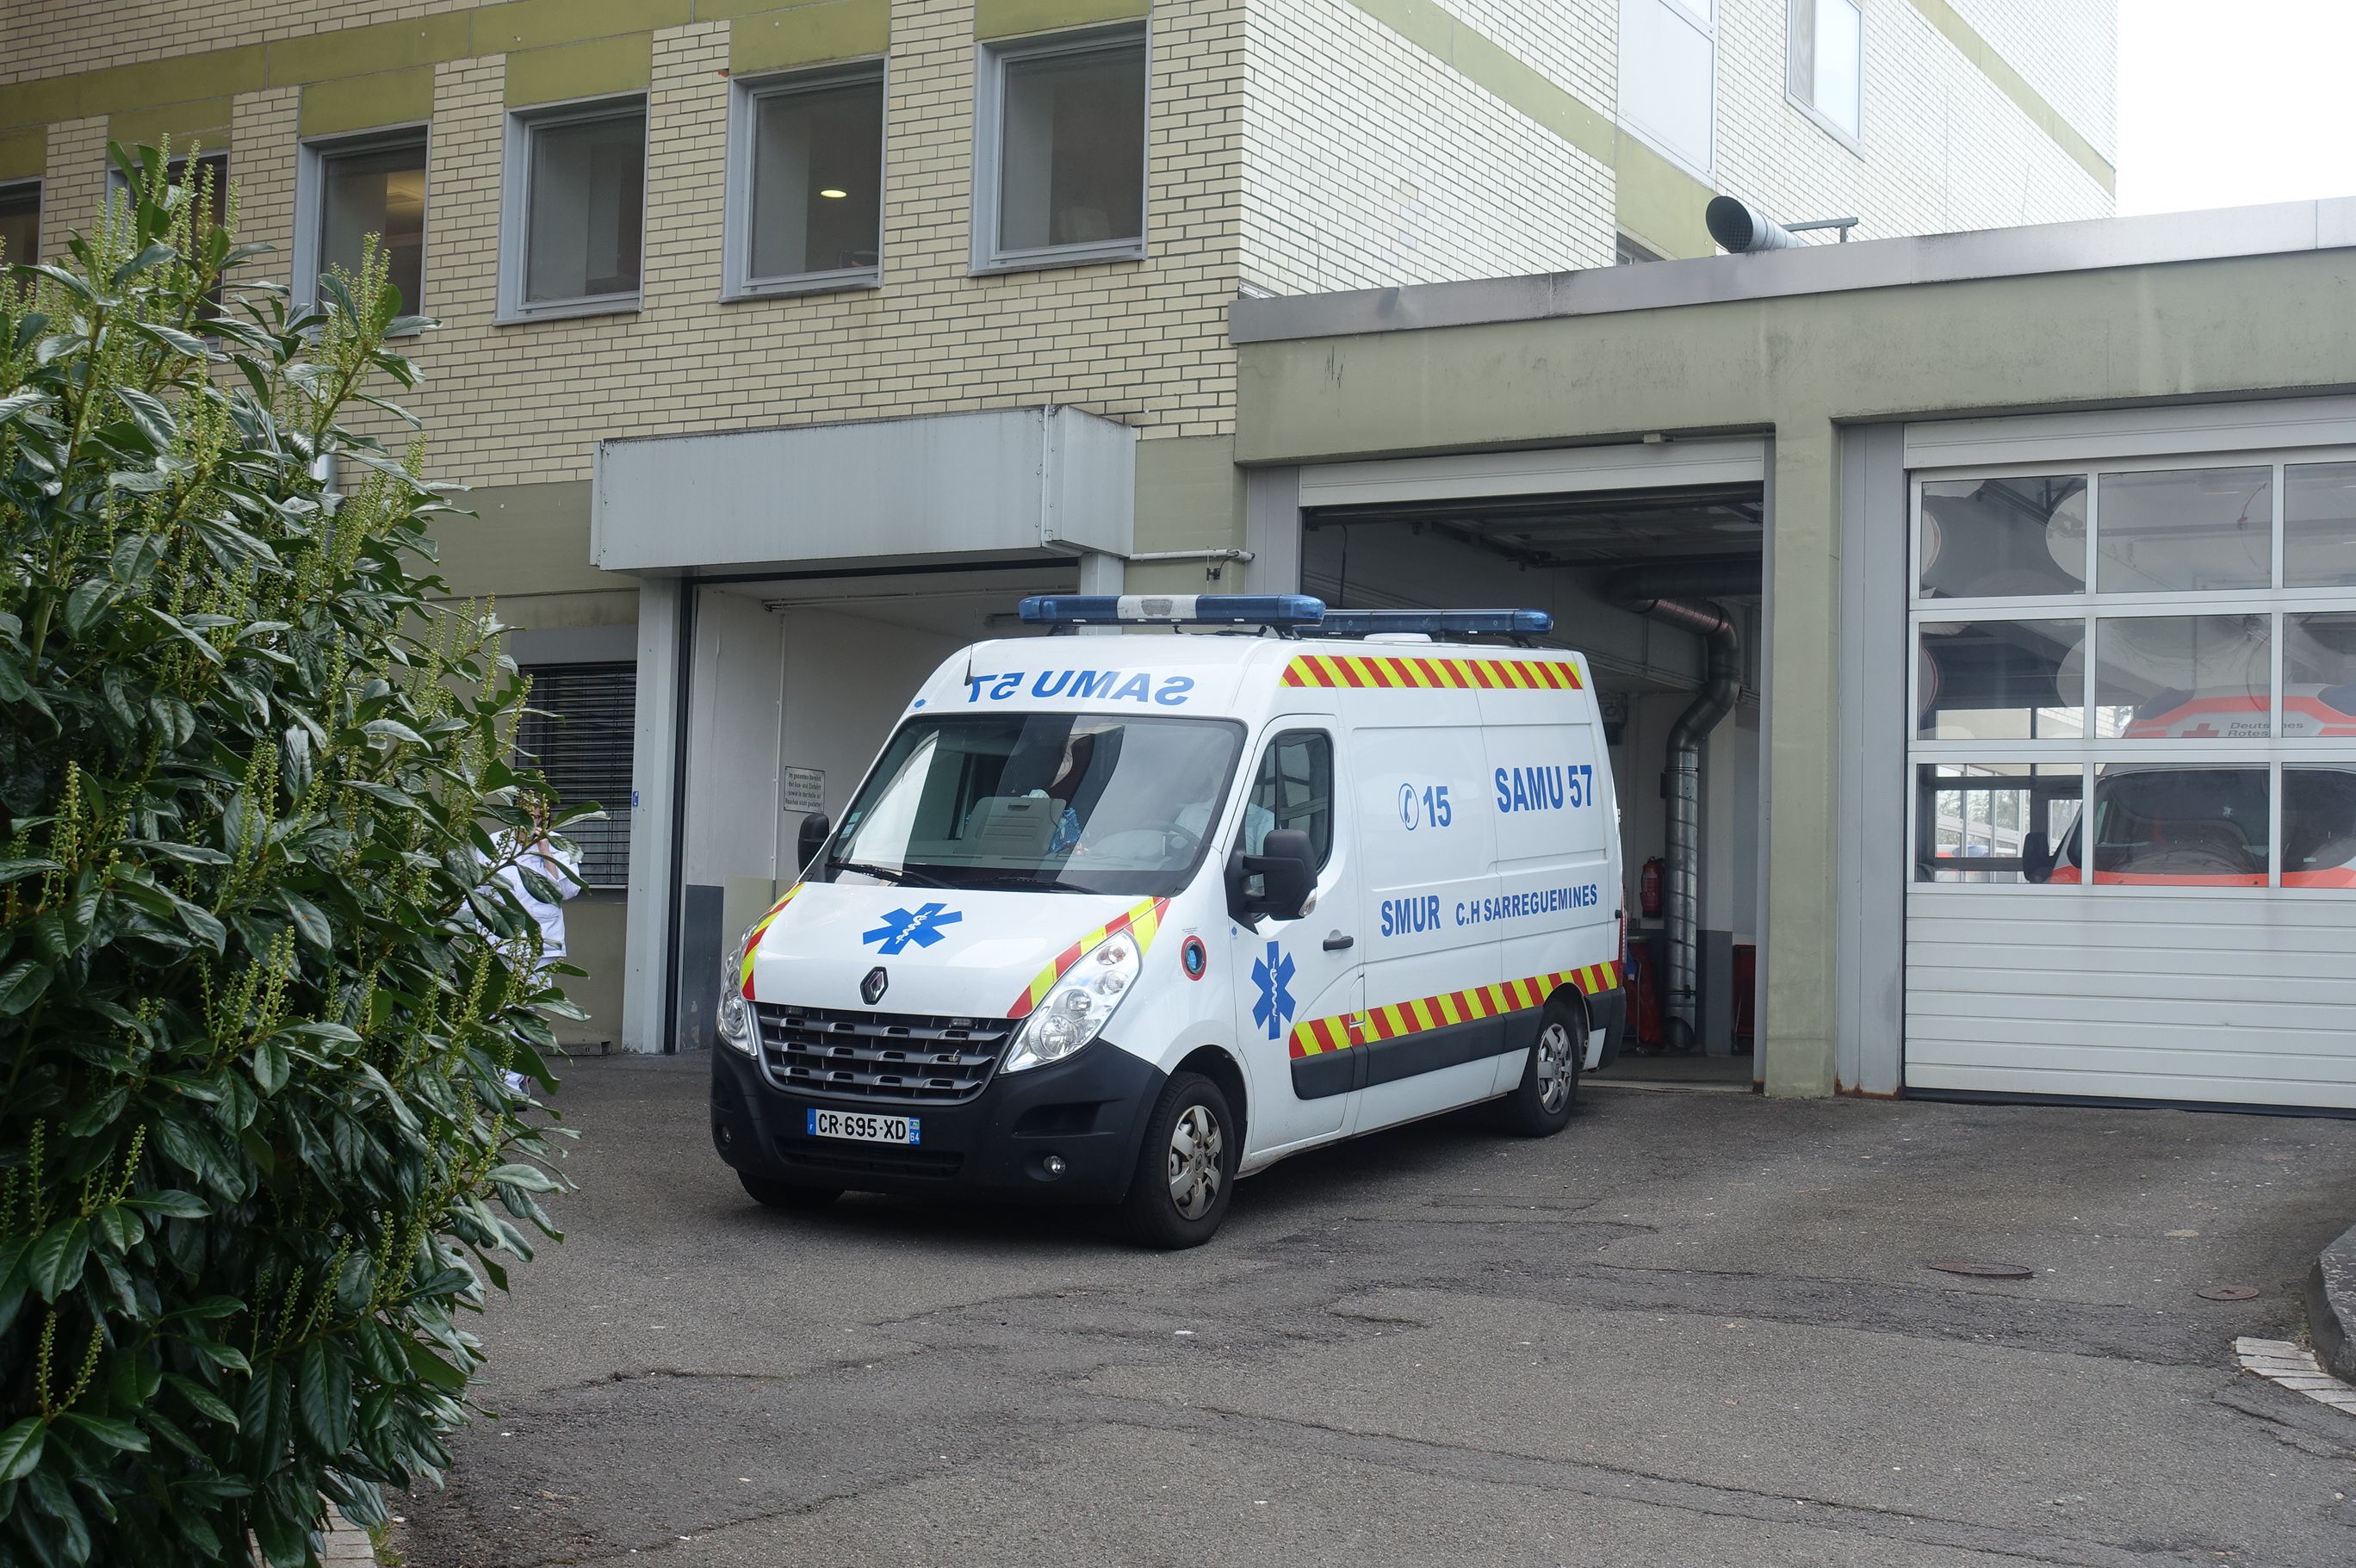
point(561, 870)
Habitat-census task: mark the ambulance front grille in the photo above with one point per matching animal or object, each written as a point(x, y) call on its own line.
point(906, 1058)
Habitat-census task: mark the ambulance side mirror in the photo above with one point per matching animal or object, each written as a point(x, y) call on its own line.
point(1286, 868)
point(2036, 856)
point(815, 831)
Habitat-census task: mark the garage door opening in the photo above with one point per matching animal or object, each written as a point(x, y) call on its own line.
point(1662, 588)
point(795, 682)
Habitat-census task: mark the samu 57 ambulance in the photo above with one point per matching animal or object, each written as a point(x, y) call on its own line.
point(1120, 919)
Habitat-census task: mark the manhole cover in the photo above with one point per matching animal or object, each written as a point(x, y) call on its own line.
point(2230, 1292)
point(1987, 1271)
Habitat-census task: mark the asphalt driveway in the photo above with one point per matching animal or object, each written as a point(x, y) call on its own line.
point(1695, 1328)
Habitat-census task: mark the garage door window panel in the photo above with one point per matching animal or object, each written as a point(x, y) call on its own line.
point(2184, 678)
point(2187, 531)
point(2002, 680)
point(2318, 831)
point(2319, 524)
point(2319, 672)
point(2003, 537)
point(2182, 826)
point(1994, 822)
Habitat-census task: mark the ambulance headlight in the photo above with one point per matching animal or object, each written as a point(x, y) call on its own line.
point(737, 1029)
point(1074, 1013)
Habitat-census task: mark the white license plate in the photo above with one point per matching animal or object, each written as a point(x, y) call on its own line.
point(865, 1128)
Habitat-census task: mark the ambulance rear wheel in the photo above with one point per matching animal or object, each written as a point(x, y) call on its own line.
point(1186, 1167)
point(789, 1196)
point(1540, 1104)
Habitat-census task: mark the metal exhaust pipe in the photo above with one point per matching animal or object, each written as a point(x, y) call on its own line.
point(1681, 784)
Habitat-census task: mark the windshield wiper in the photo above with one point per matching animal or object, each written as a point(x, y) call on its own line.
point(898, 879)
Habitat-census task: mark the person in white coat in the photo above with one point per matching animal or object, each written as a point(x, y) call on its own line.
point(554, 866)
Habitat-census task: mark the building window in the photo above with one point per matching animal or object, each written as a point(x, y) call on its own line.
point(580, 735)
point(805, 182)
point(575, 214)
point(357, 186)
point(1060, 175)
point(20, 222)
point(1826, 73)
point(1627, 253)
point(1668, 75)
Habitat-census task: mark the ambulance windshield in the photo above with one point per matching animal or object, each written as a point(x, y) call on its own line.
point(1040, 802)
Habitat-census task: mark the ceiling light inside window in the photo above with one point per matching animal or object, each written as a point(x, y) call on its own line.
point(833, 195)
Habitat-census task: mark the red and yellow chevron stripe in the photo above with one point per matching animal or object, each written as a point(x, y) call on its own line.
point(1141, 921)
point(753, 939)
point(1393, 1019)
point(1408, 671)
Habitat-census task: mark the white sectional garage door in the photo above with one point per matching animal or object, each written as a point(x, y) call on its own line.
point(2133, 814)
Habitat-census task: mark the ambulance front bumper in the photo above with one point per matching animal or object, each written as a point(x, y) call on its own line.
point(1065, 1133)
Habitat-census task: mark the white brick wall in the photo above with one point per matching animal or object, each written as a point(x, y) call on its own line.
point(1944, 149)
point(2068, 50)
point(1367, 162)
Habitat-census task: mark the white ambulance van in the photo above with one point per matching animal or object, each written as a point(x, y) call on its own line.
point(1120, 919)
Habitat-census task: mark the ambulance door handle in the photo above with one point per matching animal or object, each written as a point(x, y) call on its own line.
point(1338, 941)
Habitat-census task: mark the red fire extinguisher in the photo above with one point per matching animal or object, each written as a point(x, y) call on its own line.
point(1648, 888)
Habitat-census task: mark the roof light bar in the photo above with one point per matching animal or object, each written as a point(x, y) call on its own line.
point(1173, 610)
point(1435, 623)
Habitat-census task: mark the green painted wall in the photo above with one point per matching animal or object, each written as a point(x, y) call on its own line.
point(808, 35)
point(1802, 367)
point(1011, 19)
point(1190, 495)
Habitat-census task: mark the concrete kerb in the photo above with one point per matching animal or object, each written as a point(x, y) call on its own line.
point(2332, 1307)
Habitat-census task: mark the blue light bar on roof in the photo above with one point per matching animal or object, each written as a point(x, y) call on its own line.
point(1435, 623)
point(1173, 610)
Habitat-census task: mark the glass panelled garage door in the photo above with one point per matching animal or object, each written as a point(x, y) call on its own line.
point(2133, 812)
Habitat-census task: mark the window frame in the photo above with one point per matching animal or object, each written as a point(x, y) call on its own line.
point(991, 59)
point(1702, 16)
point(745, 98)
point(38, 184)
point(515, 205)
point(310, 207)
point(1804, 103)
point(1269, 747)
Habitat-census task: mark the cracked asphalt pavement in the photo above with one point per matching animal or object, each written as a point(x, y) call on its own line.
point(1693, 1328)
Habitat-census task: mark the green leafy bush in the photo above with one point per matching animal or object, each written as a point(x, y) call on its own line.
point(258, 989)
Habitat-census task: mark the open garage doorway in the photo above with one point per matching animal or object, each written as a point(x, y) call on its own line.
point(1662, 586)
point(795, 682)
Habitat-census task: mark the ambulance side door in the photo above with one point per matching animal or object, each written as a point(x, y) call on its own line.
point(1426, 827)
point(1297, 982)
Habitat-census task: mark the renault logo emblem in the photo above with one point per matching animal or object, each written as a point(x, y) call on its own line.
point(871, 989)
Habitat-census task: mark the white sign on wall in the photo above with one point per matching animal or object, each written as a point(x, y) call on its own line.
point(803, 791)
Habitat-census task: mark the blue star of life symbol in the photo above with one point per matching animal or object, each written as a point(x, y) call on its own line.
point(921, 925)
point(1273, 975)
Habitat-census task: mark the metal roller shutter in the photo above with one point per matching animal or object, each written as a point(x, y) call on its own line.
point(581, 739)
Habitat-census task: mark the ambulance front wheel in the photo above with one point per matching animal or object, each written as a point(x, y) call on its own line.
point(1540, 1104)
point(790, 1196)
point(1186, 1167)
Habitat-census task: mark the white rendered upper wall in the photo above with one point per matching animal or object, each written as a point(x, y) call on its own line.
point(1385, 143)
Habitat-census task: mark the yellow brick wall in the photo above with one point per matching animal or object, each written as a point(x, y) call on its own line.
point(1140, 342)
